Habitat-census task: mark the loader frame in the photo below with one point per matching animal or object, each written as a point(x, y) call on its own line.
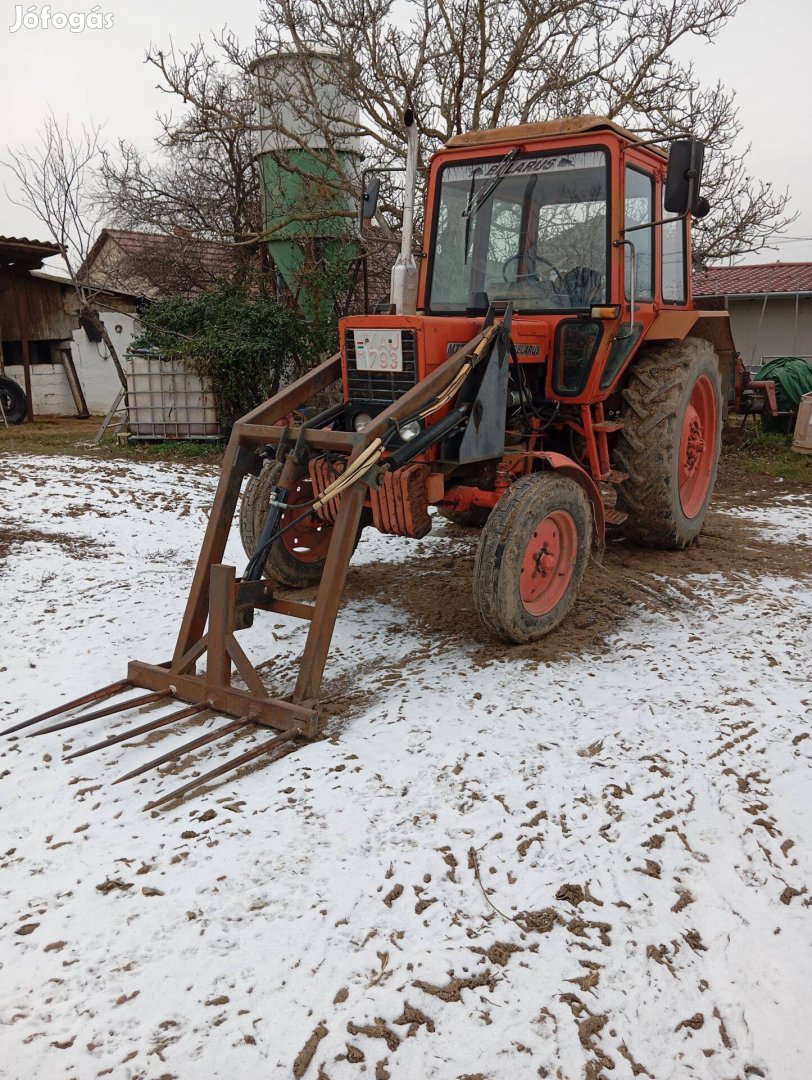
point(220, 603)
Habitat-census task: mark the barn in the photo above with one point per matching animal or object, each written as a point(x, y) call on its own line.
point(47, 345)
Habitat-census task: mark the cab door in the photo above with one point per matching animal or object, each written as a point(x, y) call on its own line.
point(639, 267)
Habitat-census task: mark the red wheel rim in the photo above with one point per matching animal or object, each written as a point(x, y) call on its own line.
point(697, 452)
point(308, 540)
point(549, 561)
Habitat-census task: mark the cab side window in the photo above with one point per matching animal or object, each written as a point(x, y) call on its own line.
point(639, 210)
point(674, 277)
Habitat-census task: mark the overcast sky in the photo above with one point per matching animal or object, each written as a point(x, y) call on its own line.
point(762, 55)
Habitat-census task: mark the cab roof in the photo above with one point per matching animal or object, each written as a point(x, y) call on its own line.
point(549, 129)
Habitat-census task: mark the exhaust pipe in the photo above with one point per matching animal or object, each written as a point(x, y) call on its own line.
point(403, 284)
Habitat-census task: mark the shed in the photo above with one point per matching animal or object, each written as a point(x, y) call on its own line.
point(44, 347)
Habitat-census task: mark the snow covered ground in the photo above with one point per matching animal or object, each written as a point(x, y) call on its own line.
point(585, 859)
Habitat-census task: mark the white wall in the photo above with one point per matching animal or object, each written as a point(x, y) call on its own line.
point(773, 335)
point(96, 371)
point(49, 388)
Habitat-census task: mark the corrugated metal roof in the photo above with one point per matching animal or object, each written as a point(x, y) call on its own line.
point(21, 251)
point(63, 279)
point(756, 279)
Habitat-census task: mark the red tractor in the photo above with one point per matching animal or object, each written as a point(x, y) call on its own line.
point(607, 379)
point(543, 373)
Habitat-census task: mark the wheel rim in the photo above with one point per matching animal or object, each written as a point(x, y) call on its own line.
point(309, 539)
point(697, 447)
point(549, 562)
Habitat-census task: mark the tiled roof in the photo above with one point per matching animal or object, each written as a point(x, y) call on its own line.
point(755, 279)
point(214, 256)
point(161, 263)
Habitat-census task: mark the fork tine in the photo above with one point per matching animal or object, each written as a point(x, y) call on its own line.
point(95, 695)
point(124, 706)
point(234, 763)
point(179, 751)
point(163, 721)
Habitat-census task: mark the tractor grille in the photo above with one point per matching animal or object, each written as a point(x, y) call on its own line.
point(383, 386)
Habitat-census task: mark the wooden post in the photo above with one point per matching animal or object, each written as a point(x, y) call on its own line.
point(23, 328)
point(27, 374)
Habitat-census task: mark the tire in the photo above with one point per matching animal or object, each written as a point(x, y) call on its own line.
point(15, 403)
point(670, 442)
point(297, 558)
point(518, 597)
point(474, 518)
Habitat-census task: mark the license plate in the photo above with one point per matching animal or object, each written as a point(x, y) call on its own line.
point(378, 350)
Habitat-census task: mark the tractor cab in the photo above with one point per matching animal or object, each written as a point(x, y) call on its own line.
point(577, 224)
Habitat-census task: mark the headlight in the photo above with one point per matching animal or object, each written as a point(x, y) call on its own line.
point(408, 431)
point(360, 420)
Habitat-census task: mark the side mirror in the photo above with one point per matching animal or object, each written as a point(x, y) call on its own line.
point(682, 184)
point(702, 208)
point(369, 201)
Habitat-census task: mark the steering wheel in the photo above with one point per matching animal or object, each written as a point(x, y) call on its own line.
point(535, 258)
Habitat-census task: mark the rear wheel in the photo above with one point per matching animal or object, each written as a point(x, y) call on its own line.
point(532, 557)
point(297, 558)
point(670, 442)
point(14, 401)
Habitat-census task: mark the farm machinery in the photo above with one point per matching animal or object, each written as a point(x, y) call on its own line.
point(541, 375)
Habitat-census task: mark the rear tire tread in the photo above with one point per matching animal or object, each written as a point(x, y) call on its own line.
point(649, 443)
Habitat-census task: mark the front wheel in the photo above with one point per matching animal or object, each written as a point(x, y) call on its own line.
point(532, 557)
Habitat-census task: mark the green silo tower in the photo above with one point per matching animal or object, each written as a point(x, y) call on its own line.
point(304, 150)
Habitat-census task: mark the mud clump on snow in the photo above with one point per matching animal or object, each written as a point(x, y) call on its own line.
point(392, 896)
point(538, 922)
point(452, 991)
point(305, 1055)
point(376, 1030)
point(415, 1019)
point(577, 894)
point(499, 953)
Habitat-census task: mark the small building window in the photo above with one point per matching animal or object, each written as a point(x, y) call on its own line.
point(39, 352)
point(639, 210)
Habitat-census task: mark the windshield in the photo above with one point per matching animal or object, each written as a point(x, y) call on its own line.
point(539, 239)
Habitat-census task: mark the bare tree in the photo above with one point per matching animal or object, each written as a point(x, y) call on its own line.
point(203, 181)
point(466, 64)
point(56, 180)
